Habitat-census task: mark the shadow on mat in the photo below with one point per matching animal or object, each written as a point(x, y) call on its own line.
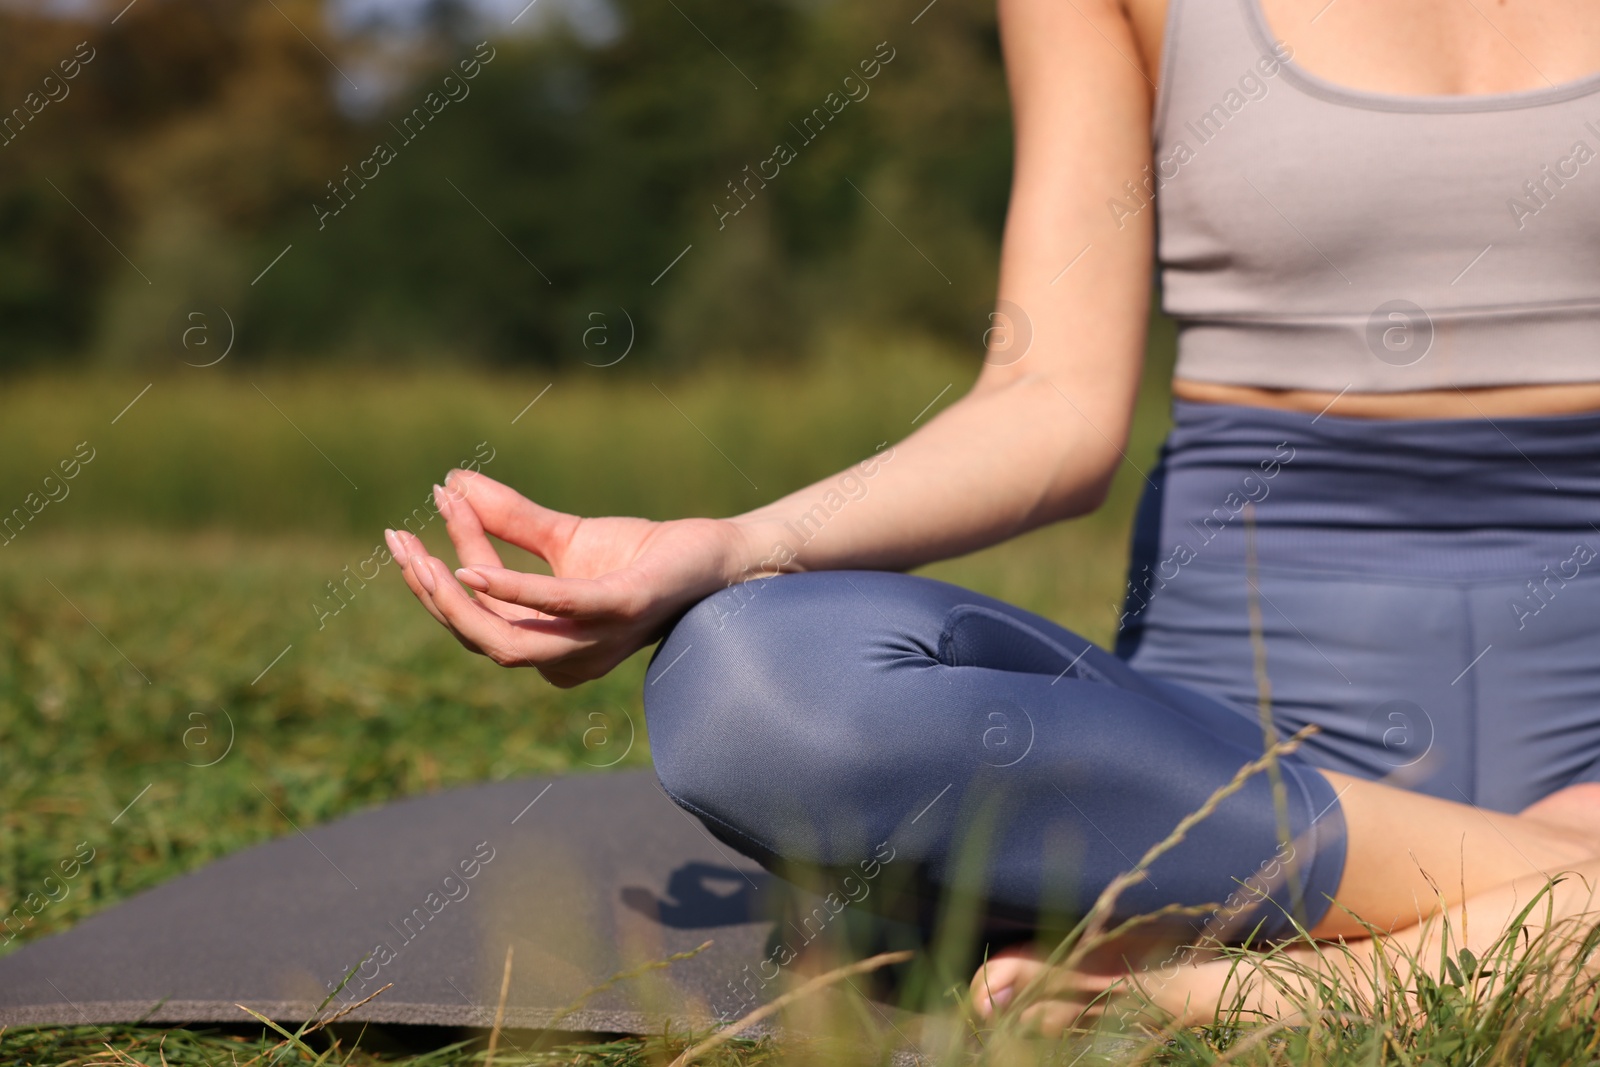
point(700, 895)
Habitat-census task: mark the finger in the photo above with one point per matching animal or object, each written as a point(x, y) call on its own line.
point(476, 625)
point(509, 515)
point(408, 551)
point(407, 548)
point(466, 532)
point(412, 549)
point(402, 552)
point(404, 545)
point(523, 642)
point(478, 628)
point(567, 598)
point(472, 545)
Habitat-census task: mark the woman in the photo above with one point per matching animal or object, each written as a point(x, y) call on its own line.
point(1381, 241)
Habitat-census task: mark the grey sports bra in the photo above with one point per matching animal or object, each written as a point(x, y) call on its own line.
point(1313, 236)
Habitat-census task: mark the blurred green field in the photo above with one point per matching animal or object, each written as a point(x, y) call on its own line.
point(143, 606)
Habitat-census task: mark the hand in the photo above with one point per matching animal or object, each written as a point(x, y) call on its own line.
point(617, 582)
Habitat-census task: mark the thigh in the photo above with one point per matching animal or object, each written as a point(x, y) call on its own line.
point(1376, 664)
point(1476, 692)
point(1537, 686)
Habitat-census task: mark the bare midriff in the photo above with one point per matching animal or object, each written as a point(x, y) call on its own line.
point(1509, 401)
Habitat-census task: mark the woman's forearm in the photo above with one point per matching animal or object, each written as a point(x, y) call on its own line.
point(1005, 458)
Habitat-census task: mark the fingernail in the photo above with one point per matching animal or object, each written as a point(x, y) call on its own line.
point(441, 498)
point(393, 542)
point(1000, 998)
point(424, 572)
point(473, 579)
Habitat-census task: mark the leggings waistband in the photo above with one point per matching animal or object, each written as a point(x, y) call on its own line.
point(1425, 498)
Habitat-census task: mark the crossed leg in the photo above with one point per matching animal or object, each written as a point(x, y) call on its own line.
point(1415, 867)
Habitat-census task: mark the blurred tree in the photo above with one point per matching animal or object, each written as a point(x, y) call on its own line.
point(572, 179)
point(51, 267)
point(193, 127)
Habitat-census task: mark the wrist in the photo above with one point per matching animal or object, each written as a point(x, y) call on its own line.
point(761, 547)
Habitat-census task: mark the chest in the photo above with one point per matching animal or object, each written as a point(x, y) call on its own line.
point(1419, 47)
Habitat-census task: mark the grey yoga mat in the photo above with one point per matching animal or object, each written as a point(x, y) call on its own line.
point(584, 876)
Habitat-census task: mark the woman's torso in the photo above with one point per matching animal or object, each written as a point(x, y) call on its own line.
point(1437, 50)
point(1422, 582)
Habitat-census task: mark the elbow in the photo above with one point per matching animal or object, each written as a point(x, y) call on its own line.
point(1088, 451)
point(1085, 483)
point(1058, 502)
point(1073, 464)
point(1086, 468)
point(1096, 490)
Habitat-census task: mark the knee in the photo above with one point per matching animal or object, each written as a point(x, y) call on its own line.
point(715, 643)
point(715, 684)
point(748, 701)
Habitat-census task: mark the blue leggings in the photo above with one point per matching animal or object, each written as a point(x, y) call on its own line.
point(842, 720)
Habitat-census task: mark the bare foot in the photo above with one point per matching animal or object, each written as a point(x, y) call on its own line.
point(1186, 993)
point(1070, 999)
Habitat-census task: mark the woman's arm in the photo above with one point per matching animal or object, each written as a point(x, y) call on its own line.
point(1041, 433)
point(1037, 438)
